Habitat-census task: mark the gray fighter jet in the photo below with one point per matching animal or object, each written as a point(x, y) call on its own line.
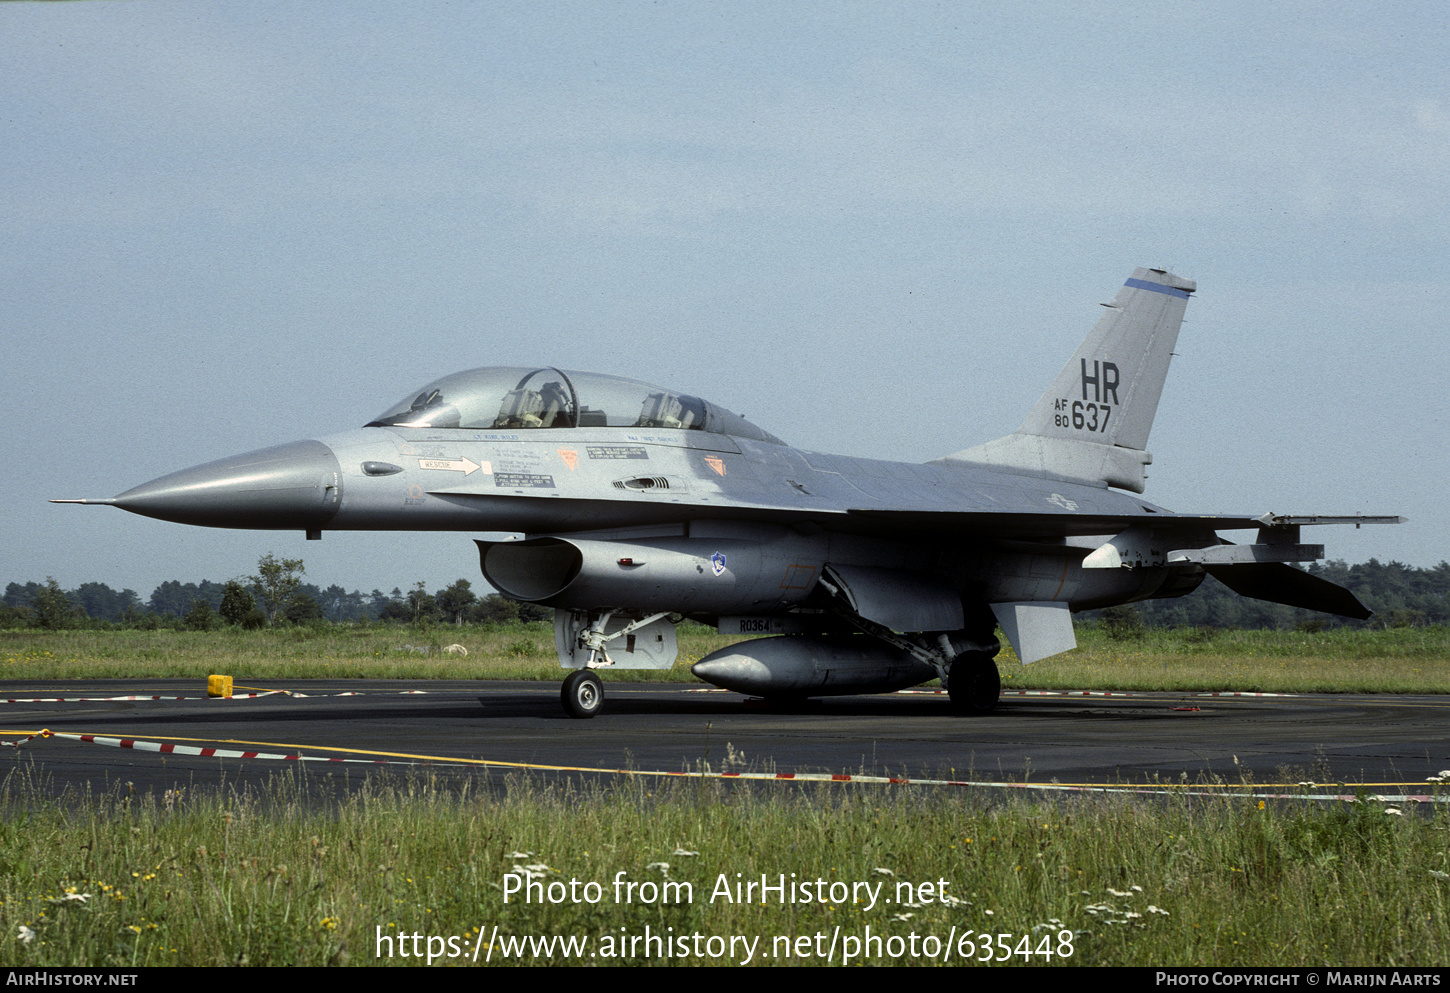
point(641, 506)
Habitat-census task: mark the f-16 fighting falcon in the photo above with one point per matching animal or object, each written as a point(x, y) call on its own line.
point(640, 506)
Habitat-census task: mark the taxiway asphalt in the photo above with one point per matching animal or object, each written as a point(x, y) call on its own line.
point(1070, 738)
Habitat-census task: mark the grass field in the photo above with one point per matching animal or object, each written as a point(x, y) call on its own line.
point(289, 875)
point(274, 878)
point(1400, 660)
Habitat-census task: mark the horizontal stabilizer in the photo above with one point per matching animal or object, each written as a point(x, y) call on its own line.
point(1279, 583)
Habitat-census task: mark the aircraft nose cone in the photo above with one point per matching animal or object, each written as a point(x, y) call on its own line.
point(284, 487)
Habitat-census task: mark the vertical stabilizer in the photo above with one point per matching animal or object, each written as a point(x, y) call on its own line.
point(1093, 423)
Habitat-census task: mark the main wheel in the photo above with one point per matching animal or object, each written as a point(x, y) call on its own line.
point(582, 693)
point(974, 684)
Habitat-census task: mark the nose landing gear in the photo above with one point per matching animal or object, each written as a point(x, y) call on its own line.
point(582, 693)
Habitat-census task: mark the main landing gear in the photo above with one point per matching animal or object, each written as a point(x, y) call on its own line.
point(974, 683)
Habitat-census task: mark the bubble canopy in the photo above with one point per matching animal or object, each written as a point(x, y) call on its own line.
point(516, 397)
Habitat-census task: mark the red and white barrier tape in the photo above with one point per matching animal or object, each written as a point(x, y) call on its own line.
point(802, 777)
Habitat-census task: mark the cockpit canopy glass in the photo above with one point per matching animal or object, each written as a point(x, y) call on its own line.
point(506, 397)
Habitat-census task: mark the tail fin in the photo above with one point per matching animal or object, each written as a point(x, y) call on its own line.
point(1092, 424)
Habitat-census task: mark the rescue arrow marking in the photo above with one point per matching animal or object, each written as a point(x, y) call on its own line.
point(465, 466)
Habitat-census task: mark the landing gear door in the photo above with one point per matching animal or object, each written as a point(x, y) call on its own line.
point(650, 646)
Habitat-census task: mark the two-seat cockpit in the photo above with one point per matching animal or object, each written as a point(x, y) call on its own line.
point(502, 397)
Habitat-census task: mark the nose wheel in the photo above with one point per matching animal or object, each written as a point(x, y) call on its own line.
point(582, 693)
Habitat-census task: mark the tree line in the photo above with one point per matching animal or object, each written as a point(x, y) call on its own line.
point(275, 595)
point(1400, 596)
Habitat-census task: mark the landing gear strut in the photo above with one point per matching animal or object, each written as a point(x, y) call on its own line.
point(974, 684)
point(582, 694)
point(584, 641)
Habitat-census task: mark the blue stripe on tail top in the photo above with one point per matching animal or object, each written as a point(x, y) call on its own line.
point(1143, 284)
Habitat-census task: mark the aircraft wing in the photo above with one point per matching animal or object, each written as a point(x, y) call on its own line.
point(943, 523)
point(1259, 570)
point(1041, 525)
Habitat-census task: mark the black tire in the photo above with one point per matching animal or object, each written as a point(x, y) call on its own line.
point(582, 693)
point(974, 683)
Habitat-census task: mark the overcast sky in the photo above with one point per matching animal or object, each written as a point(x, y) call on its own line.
point(231, 225)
